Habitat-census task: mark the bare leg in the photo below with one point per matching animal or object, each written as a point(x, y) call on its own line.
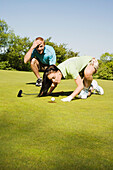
point(35, 67)
point(88, 75)
point(88, 72)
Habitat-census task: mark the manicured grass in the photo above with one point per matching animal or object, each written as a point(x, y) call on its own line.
point(35, 134)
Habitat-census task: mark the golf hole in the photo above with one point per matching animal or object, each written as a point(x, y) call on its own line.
point(51, 102)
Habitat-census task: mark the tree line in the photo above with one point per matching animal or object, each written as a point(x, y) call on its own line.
point(13, 49)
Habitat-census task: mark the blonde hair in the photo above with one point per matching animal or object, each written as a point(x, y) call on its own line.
point(95, 63)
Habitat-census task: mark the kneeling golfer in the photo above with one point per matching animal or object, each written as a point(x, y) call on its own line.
point(40, 57)
point(80, 69)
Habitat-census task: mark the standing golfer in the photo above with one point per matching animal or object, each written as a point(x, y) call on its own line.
point(80, 69)
point(45, 56)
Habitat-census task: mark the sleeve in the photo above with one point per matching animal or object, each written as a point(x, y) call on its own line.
point(52, 58)
point(33, 54)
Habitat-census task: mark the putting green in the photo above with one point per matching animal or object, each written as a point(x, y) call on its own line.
point(38, 134)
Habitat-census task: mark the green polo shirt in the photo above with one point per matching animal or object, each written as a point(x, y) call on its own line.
point(72, 66)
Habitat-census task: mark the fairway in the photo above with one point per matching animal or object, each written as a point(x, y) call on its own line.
point(38, 134)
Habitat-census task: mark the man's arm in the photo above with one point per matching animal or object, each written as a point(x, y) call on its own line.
point(27, 57)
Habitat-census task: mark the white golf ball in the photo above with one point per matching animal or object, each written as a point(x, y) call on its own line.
point(52, 99)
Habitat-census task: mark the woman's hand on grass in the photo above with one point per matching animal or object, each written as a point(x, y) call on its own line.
point(67, 99)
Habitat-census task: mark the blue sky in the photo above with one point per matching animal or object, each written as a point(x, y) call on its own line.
point(86, 26)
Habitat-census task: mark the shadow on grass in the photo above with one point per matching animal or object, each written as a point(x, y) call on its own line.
point(62, 93)
point(57, 94)
point(67, 93)
point(54, 94)
point(33, 83)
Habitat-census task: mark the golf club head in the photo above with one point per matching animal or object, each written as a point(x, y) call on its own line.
point(19, 93)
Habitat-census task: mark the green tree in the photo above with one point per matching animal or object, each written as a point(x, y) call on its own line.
point(16, 51)
point(106, 57)
point(4, 42)
point(4, 35)
point(105, 70)
point(70, 54)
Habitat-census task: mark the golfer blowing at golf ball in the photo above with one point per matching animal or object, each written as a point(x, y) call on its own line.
point(81, 69)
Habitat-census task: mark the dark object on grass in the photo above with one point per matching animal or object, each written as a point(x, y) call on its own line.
point(19, 93)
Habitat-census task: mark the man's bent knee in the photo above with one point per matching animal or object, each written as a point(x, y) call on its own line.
point(34, 61)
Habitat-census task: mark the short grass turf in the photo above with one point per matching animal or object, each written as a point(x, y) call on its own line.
point(36, 134)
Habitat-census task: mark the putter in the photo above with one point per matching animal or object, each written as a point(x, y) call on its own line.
point(21, 92)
